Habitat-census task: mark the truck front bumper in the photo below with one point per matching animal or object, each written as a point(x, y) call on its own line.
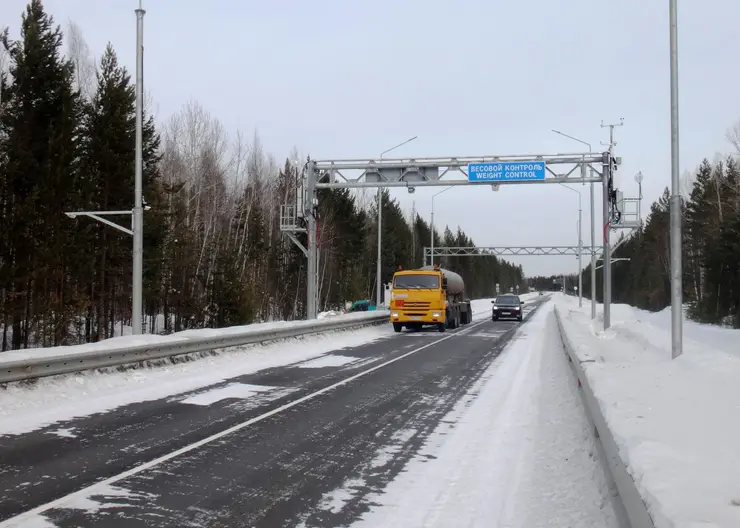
point(417, 317)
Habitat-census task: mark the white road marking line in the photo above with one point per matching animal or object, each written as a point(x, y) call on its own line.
point(89, 490)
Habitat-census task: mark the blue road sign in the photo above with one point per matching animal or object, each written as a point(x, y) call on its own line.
point(506, 171)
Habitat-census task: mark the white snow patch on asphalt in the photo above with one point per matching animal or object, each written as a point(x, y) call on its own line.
point(389, 453)
point(64, 432)
point(519, 455)
point(335, 501)
point(329, 360)
point(26, 408)
point(232, 390)
point(106, 497)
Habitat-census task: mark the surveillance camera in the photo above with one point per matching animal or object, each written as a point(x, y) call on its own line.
point(147, 207)
point(412, 190)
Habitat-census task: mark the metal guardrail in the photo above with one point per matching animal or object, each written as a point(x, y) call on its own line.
point(31, 368)
point(631, 510)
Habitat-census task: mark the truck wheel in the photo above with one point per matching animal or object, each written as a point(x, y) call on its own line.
point(441, 327)
point(397, 327)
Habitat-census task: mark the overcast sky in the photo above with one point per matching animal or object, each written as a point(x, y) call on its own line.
point(471, 77)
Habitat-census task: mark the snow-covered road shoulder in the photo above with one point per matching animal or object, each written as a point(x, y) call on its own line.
point(516, 451)
point(676, 422)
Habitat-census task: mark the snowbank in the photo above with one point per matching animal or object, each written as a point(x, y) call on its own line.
point(131, 341)
point(330, 313)
point(677, 422)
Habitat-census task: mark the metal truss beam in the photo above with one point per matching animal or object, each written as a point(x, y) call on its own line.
point(429, 172)
point(508, 251)
point(297, 242)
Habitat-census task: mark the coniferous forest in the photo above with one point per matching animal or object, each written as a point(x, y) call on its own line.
point(711, 250)
point(213, 252)
point(710, 212)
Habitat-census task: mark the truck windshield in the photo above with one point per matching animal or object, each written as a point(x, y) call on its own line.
point(407, 282)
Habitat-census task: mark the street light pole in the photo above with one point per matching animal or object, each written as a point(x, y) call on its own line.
point(580, 247)
point(431, 226)
point(580, 261)
point(676, 264)
point(593, 227)
point(138, 216)
point(379, 286)
point(137, 213)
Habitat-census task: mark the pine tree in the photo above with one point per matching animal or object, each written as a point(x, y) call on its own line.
point(41, 119)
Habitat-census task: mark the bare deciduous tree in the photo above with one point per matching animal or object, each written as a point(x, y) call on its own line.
point(733, 136)
point(84, 63)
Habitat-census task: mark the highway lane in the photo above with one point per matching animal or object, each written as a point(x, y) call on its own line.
point(272, 472)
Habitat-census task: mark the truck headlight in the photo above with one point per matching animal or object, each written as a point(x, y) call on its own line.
point(435, 314)
point(394, 314)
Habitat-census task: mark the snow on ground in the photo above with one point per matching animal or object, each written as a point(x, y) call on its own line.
point(330, 313)
point(516, 451)
point(677, 422)
point(152, 339)
point(25, 408)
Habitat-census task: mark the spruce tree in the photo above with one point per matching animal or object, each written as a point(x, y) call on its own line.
point(108, 170)
point(40, 117)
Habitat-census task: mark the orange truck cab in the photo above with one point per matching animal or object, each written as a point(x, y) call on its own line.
point(428, 296)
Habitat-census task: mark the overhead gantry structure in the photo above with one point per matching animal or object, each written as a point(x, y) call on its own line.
point(504, 251)
point(301, 214)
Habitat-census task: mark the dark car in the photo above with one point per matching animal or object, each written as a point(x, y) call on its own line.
point(507, 306)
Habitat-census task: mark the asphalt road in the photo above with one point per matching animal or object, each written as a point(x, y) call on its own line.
point(266, 449)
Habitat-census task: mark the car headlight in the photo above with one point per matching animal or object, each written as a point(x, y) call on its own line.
point(495, 307)
point(394, 314)
point(435, 314)
point(517, 308)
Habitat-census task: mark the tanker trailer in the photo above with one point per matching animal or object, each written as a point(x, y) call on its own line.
point(429, 296)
